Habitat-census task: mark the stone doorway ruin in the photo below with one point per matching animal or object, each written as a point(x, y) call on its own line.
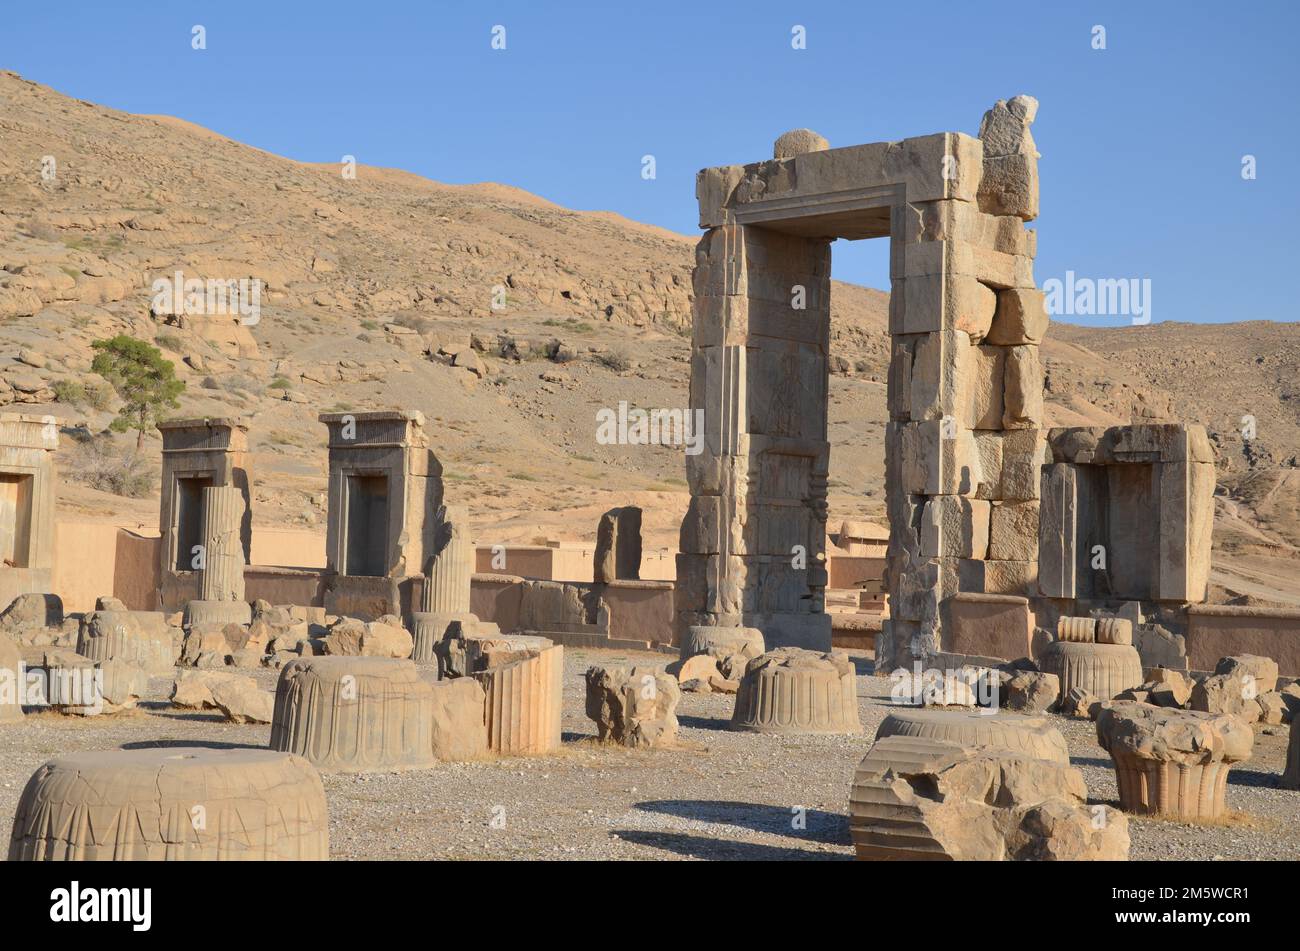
point(963, 445)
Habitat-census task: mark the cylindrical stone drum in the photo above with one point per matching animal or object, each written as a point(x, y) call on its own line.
point(172, 804)
point(353, 714)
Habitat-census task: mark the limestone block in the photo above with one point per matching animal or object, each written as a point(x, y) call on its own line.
point(1010, 186)
point(1171, 762)
point(1103, 670)
point(1022, 399)
point(11, 707)
point(955, 527)
point(1258, 674)
point(953, 259)
point(385, 637)
point(1080, 630)
point(938, 460)
point(1186, 525)
point(731, 647)
point(951, 378)
point(143, 639)
point(938, 302)
point(922, 799)
point(1020, 318)
point(523, 703)
point(713, 189)
point(1013, 531)
point(633, 706)
point(1009, 179)
point(1058, 532)
point(192, 689)
point(31, 612)
point(458, 730)
point(989, 625)
point(988, 452)
point(1029, 691)
point(618, 545)
point(1023, 451)
point(1169, 688)
point(1232, 694)
point(353, 714)
point(239, 698)
point(1160, 647)
point(1114, 630)
point(963, 221)
point(172, 804)
point(1078, 703)
point(998, 577)
point(789, 690)
point(1031, 736)
point(1272, 709)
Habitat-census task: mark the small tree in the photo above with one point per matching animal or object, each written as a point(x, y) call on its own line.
point(144, 381)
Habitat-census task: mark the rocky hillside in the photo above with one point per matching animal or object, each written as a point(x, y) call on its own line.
point(508, 320)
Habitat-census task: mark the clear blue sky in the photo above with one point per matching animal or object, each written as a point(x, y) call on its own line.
point(1141, 143)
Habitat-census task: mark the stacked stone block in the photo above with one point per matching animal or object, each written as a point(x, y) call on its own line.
point(963, 446)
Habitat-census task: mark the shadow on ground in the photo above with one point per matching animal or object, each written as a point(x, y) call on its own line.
point(202, 744)
point(817, 825)
point(703, 723)
point(698, 846)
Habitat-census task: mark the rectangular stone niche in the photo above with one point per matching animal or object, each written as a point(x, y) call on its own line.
point(196, 454)
point(385, 487)
point(27, 491)
point(1127, 513)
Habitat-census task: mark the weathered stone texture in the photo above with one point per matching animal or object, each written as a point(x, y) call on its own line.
point(1032, 736)
point(1172, 762)
point(354, 714)
point(789, 690)
point(172, 804)
point(633, 706)
point(922, 799)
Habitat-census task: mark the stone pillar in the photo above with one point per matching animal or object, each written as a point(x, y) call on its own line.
point(445, 599)
point(964, 445)
point(221, 584)
point(618, 546)
point(753, 541)
point(223, 559)
point(446, 589)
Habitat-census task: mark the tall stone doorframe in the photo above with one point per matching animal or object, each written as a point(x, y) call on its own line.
point(385, 489)
point(27, 491)
point(197, 454)
point(963, 445)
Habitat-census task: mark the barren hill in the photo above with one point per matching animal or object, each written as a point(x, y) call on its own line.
point(508, 320)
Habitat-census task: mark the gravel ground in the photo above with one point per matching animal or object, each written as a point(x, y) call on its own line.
point(720, 795)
